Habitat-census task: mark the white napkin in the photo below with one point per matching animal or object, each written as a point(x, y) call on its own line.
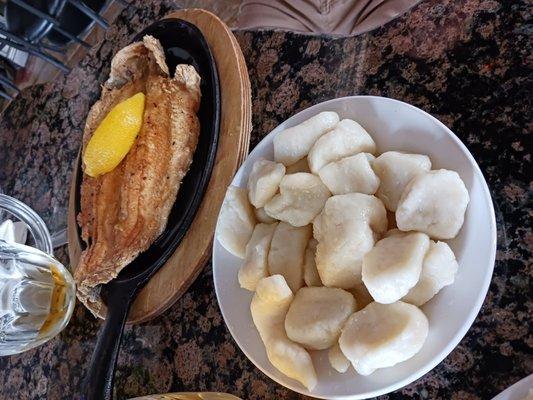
point(14, 232)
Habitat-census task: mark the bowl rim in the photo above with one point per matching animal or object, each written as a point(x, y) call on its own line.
point(444, 352)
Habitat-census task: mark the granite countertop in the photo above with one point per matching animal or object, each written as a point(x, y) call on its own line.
point(463, 61)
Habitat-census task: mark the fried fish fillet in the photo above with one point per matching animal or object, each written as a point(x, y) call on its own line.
point(125, 210)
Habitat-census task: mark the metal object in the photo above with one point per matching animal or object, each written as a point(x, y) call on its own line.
point(80, 5)
point(31, 25)
point(55, 23)
point(14, 41)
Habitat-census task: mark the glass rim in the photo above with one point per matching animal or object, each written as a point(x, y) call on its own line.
point(35, 224)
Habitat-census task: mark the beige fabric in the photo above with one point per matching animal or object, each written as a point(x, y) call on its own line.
point(343, 17)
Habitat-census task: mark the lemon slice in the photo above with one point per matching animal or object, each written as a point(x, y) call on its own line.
point(114, 137)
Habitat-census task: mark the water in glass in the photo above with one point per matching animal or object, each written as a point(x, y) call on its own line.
point(37, 296)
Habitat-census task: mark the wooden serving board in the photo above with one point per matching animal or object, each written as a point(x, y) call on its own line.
point(174, 278)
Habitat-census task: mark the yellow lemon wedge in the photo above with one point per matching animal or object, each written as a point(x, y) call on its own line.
point(114, 137)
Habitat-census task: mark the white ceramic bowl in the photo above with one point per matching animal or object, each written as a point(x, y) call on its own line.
point(394, 125)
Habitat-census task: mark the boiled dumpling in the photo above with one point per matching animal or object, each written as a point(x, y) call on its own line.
point(393, 266)
point(316, 316)
point(340, 253)
point(347, 139)
point(287, 251)
point(360, 207)
point(311, 277)
point(339, 257)
point(433, 203)
point(262, 216)
point(382, 335)
point(255, 264)
point(301, 198)
point(269, 307)
point(293, 144)
point(352, 174)
point(263, 181)
point(299, 166)
point(394, 232)
point(338, 360)
point(236, 221)
point(395, 170)
point(346, 231)
point(438, 270)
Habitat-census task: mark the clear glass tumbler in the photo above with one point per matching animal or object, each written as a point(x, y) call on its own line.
point(37, 293)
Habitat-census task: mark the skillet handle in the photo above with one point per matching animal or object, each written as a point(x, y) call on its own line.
point(98, 383)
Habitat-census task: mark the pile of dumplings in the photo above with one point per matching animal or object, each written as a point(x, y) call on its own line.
point(341, 246)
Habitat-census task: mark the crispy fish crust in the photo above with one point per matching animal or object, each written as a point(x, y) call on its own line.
point(125, 210)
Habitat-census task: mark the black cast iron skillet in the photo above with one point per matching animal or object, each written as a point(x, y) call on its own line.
point(183, 43)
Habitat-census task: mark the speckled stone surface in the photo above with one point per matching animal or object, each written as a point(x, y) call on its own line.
point(463, 61)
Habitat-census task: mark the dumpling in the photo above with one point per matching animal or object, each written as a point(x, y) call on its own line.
point(433, 203)
point(287, 251)
point(263, 181)
point(346, 230)
point(316, 316)
point(340, 253)
point(338, 360)
point(393, 266)
point(293, 144)
point(255, 264)
point(262, 216)
point(302, 196)
point(395, 170)
point(347, 139)
point(236, 221)
point(299, 166)
point(352, 174)
point(382, 335)
point(438, 270)
point(311, 277)
point(269, 307)
point(394, 232)
point(361, 207)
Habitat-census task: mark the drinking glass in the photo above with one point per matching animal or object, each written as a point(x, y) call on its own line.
point(37, 293)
